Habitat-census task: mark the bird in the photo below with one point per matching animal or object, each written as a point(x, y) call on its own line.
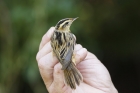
point(63, 43)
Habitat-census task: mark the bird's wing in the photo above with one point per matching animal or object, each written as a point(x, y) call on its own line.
point(63, 46)
point(67, 51)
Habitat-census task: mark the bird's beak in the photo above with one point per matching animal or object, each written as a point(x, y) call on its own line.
point(74, 18)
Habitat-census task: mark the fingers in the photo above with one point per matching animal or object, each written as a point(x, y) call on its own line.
point(90, 56)
point(45, 59)
point(46, 66)
point(45, 50)
point(77, 47)
point(80, 53)
point(58, 83)
point(46, 37)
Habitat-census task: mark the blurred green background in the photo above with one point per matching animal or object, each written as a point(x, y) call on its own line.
point(108, 28)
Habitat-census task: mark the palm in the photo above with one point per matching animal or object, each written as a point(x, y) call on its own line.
point(95, 76)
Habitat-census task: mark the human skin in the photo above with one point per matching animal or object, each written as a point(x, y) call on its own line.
point(96, 78)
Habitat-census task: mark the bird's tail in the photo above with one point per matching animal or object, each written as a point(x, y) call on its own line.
point(72, 76)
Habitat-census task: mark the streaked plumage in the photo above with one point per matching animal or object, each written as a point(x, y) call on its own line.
point(63, 42)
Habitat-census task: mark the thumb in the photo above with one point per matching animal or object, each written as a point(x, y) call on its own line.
point(58, 80)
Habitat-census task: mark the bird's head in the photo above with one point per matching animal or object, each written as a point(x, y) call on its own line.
point(64, 24)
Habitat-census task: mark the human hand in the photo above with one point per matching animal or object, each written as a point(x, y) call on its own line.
point(96, 78)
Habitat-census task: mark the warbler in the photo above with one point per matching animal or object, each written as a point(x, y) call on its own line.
point(63, 43)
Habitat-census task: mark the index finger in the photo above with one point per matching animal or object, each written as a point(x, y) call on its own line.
point(46, 37)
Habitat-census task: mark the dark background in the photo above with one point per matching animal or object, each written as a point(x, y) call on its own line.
point(108, 28)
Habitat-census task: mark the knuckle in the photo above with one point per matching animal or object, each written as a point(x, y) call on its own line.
point(40, 65)
point(78, 58)
point(57, 68)
point(84, 49)
point(53, 90)
point(37, 57)
point(51, 27)
point(79, 45)
point(43, 38)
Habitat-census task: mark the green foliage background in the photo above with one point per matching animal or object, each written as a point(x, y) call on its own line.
point(108, 28)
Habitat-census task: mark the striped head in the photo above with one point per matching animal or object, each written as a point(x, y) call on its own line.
point(64, 24)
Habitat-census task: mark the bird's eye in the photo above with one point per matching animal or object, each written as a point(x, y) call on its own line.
point(66, 23)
